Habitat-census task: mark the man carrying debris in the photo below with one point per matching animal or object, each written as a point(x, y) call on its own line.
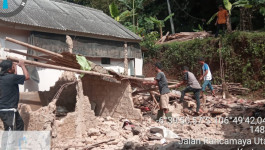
point(193, 86)
point(221, 20)
point(207, 76)
point(161, 81)
point(9, 94)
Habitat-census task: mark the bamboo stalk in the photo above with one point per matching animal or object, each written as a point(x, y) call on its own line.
point(28, 55)
point(58, 67)
point(42, 50)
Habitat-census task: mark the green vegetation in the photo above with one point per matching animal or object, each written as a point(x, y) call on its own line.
point(188, 14)
point(243, 54)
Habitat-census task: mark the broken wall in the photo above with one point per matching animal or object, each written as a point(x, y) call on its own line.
point(73, 125)
point(111, 98)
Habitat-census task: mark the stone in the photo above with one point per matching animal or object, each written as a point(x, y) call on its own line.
point(113, 134)
point(93, 132)
point(245, 125)
point(188, 104)
point(129, 146)
point(136, 130)
point(108, 118)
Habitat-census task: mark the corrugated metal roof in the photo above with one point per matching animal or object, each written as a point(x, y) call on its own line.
point(65, 16)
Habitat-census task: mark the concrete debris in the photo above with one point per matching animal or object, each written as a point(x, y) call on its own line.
point(114, 123)
point(164, 131)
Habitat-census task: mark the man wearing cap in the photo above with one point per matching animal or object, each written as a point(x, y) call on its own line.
point(9, 94)
point(192, 86)
point(161, 81)
point(207, 76)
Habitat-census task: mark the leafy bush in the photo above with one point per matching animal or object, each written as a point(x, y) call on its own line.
point(149, 42)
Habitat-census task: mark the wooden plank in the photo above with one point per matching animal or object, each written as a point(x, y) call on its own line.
point(28, 55)
point(58, 67)
point(153, 89)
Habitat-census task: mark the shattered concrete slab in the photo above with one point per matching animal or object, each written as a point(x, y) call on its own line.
point(111, 99)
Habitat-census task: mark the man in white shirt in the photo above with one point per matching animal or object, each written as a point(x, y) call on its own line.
point(207, 76)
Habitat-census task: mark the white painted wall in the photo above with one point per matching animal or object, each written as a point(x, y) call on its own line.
point(139, 66)
point(16, 34)
point(118, 65)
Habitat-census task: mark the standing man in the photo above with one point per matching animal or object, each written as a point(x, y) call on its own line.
point(161, 81)
point(207, 76)
point(9, 94)
point(192, 86)
point(221, 20)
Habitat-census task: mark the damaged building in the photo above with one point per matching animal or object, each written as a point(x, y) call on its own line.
point(94, 34)
point(61, 101)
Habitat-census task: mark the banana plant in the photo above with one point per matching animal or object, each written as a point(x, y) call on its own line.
point(160, 23)
point(212, 18)
point(134, 6)
point(115, 13)
point(200, 28)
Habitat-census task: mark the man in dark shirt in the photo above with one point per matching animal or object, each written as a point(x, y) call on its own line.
point(9, 94)
point(161, 81)
point(193, 86)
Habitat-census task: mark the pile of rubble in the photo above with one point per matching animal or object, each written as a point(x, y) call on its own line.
point(219, 120)
point(82, 129)
point(183, 36)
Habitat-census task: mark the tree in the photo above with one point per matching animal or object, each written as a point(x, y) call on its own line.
point(133, 5)
point(171, 20)
point(228, 6)
point(160, 23)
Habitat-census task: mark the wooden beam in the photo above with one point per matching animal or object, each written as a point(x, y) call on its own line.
point(28, 55)
point(155, 101)
point(152, 89)
point(125, 59)
point(58, 67)
point(45, 51)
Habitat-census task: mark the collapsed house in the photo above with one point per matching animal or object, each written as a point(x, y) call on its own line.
point(70, 107)
point(60, 101)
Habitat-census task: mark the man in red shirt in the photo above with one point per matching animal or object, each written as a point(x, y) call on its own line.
point(221, 20)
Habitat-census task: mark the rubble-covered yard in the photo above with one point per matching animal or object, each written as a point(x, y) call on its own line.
point(76, 124)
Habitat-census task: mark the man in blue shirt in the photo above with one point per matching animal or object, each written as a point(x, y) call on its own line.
point(207, 76)
point(9, 94)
